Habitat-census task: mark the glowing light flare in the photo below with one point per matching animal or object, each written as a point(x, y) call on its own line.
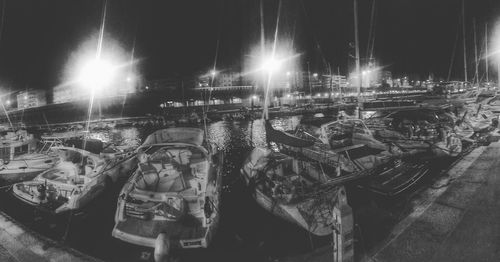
point(271, 64)
point(96, 74)
point(130, 78)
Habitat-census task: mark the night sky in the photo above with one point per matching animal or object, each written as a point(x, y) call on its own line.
point(180, 38)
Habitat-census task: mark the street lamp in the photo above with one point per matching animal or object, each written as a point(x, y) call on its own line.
point(271, 65)
point(96, 74)
point(130, 78)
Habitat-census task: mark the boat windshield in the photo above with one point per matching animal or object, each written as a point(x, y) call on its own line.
point(65, 172)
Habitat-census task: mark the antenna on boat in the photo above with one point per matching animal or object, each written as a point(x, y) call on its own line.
point(486, 51)
point(476, 76)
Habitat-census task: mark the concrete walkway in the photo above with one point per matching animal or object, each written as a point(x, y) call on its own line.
point(461, 224)
point(18, 243)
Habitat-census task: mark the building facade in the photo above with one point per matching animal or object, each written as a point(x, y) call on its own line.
point(31, 98)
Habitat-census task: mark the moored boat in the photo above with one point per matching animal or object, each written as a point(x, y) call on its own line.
point(82, 173)
point(174, 194)
point(418, 131)
point(22, 157)
point(293, 189)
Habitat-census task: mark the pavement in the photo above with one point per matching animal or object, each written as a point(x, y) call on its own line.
point(19, 244)
point(461, 222)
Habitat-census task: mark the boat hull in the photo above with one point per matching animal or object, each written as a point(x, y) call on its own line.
point(290, 213)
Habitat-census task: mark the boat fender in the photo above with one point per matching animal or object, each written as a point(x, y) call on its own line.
point(162, 248)
point(207, 207)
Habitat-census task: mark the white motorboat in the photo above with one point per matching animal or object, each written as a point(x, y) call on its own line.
point(79, 176)
point(293, 189)
point(22, 158)
point(174, 194)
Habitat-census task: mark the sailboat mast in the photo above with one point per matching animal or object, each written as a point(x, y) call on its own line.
point(486, 52)
point(356, 43)
point(463, 34)
point(476, 76)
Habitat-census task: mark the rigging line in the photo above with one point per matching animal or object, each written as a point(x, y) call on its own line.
point(316, 41)
point(262, 33)
point(370, 32)
point(374, 31)
point(266, 97)
point(213, 70)
point(486, 51)
point(453, 53)
point(476, 73)
point(101, 30)
point(215, 63)
point(4, 4)
point(463, 34)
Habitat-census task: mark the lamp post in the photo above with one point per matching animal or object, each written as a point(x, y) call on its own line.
point(95, 75)
point(269, 66)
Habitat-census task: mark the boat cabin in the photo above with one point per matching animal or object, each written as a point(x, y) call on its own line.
point(14, 144)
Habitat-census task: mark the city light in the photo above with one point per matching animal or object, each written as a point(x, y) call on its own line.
point(288, 73)
point(254, 97)
point(271, 64)
point(96, 74)
point(130, 78)
point(315, 74)
point(213, 73)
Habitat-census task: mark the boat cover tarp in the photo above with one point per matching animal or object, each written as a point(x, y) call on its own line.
point(285, 138)
point(186, 135)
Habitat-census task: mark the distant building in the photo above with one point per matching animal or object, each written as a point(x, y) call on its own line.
point(31, 98)
point(69, 93)
point(228, 79)
point(63, 94)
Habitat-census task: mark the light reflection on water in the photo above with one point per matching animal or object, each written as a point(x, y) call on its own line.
point(244, 134)
point(246, 231)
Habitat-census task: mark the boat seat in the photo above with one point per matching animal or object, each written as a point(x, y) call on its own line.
point(149, 178)
point(171, 184)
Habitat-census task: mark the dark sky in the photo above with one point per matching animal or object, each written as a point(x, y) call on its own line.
point(180, 37)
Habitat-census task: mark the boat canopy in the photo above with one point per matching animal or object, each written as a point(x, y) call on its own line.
point(186, 135)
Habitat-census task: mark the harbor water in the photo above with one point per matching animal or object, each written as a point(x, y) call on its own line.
point(246, 232)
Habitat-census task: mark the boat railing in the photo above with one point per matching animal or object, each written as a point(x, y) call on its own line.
point(5, 166)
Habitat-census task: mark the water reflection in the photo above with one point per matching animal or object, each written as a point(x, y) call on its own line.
point(246, 231)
